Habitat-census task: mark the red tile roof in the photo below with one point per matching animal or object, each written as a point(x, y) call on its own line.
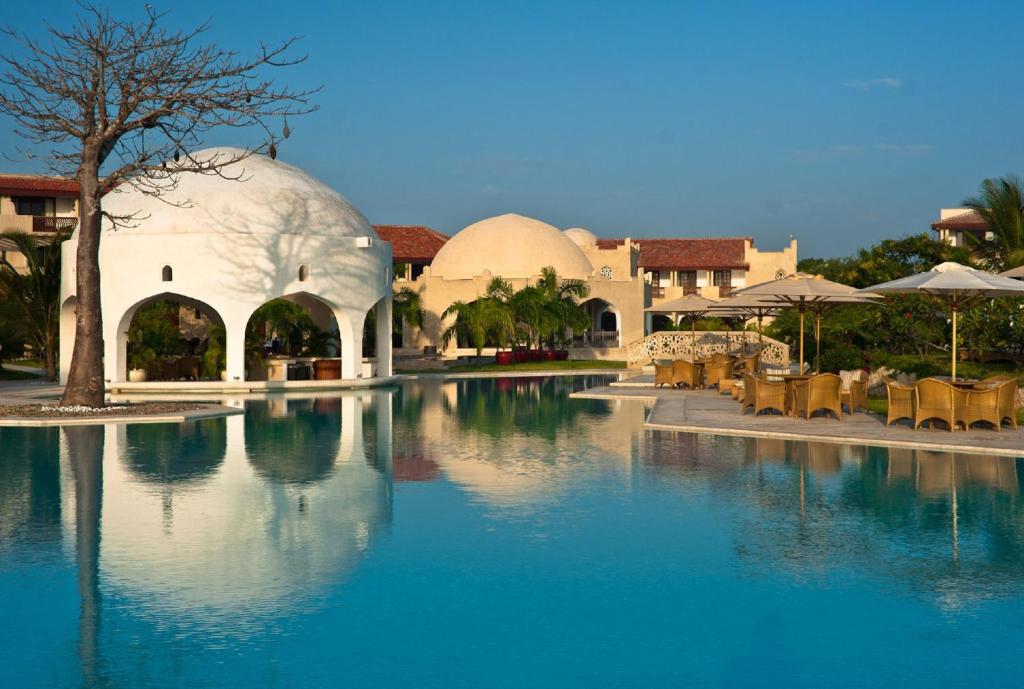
point(968, 220)
point(37, 185)
point(412, 242)
point(726, 253)
point(606, 244)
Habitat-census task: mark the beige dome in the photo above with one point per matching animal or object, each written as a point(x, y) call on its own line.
point(254, 196)
point(582, 238)
point(510, 246)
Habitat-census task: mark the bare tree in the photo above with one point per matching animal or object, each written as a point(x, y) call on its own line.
point(122, 102)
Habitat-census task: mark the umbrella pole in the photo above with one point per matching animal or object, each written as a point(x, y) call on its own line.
point(954, 341)
point(817, 342)
point(801, 371)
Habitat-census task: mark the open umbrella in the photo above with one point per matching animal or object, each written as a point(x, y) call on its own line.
point(692, 306)
point(803, 292)
point(957, 284)
point(749, 307)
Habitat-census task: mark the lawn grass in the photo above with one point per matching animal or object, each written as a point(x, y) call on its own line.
point(537, 366)
point(7, 374)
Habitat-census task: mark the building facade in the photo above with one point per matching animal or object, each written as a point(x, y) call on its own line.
point(36, 205)
point(956, 225)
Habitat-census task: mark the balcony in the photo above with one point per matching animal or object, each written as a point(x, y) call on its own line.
point(50, 223)
point(690, 289)
point(657, 292)
point(724, 291)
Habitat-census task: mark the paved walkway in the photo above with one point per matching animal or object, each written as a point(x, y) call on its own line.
point(29, 391)
point(705, 411)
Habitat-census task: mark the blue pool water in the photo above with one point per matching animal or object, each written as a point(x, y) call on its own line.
point(495, 533)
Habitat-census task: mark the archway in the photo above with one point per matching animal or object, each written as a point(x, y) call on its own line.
point(293, 337)
point(170, 337)
point(605, 324)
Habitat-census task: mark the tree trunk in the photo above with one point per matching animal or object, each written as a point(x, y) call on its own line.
point(85, 376)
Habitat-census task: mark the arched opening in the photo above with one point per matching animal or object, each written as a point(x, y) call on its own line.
point(294, 441)
point(605, 324)
point(303, 272)
point(167, 275)
point(172, 337)
point(661, 322)
point(294, 337)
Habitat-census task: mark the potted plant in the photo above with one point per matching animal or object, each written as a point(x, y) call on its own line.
point(140, 358)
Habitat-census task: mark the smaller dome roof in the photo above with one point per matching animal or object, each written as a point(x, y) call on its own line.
point(510, 246)
point(583, 238)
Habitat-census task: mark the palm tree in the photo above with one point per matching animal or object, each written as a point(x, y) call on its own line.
point(500, 293)
point(35, 294)
point(474, 321)
point(1000, 204)
point(406, 309)
point(561, 303)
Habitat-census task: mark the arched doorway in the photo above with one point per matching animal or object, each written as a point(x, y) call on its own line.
point(171, 337)
point(606, 324)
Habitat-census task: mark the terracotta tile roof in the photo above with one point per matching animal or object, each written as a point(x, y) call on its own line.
point(968, 220)
point(412, 242)
point(725, 253)
point(606, 244)
point(37, 185)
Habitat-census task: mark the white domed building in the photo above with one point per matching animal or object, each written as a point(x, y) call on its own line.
point(517, 248)
point(227, 246)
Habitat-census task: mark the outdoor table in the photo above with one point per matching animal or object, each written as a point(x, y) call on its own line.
point(791, 379)
point(962, 383)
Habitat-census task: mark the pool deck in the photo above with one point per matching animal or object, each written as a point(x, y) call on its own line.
point(706, 411)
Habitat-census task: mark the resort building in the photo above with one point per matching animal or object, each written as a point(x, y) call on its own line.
point(36, 205)
point(955, 224)
point(624, 276)
point(223, 248)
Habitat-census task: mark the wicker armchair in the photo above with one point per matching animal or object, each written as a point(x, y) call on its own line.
point(979, 405)
point(767, 395)
point(748, 364)
point(854, 394)
point(817, 393)
point(716, 372)
point(901, 401)
point(686, 373)
point(937, 399)
point(1008, 402)
point(719, 358)
point(748, 393)
point(663, 374)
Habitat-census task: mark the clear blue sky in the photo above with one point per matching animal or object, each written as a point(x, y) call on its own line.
point(838, 124)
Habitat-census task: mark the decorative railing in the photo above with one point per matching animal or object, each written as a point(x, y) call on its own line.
point(704, 343)
point(51, 223)
point(599, 338)
point(657, 292)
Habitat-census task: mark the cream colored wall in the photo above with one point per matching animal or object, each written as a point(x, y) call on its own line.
point(6, 205)
point(765, 264)
point(621, 259)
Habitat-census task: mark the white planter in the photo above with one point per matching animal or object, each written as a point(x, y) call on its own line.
point(137, 375)
point(224, 376)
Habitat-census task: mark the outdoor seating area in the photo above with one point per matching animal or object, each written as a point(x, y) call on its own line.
point(957, 404)
point(720, 371)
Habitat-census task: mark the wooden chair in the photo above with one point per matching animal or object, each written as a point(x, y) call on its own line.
point(663, 374)
point(854, 394)
point(715, 372)
point(768, 395)
point(820, 392)
point(686, 373)
point(937, 399)
point(901, 401)
point(979, 405)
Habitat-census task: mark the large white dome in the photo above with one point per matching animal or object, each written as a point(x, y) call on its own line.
point(583, 238)
point(510, 246)
point(267, 198)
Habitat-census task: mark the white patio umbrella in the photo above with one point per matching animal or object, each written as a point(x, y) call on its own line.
point(803, 291)
point(957, 284)
point(749, 307)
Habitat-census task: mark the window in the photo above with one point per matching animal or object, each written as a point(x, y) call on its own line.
point(34, 205)
point(167, 274)
point(303, 273)
point(606, 272)
point(722, 278)
point(688, 281)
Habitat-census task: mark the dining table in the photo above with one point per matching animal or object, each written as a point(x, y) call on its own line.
point(791, 380)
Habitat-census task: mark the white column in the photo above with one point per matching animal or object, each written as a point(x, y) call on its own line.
point(235, 334)
point(351, 327)
point(383, 313)
point(67, 338)
point(115, 351)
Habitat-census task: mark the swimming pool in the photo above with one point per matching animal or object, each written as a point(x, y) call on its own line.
point(496, 533)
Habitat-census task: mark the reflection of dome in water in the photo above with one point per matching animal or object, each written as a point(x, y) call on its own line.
point(581, 237)
point(510, 246)
point(269, 197)
point(175, 453)
point(239, 543)
point(297, 447)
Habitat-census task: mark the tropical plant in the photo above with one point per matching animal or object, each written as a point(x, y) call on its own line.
point(33, 297)
point(1000, 203)
point(286, 319)
point(215, 358)
point(406, 309)
point(153, 334)
point(474, 321)
point(561, 303)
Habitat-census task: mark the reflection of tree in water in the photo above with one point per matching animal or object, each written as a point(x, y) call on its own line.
point(949, 525)
point(411, 460)
point(30, 509)
point(171, 453)
point(533, 406)
point(294, 446)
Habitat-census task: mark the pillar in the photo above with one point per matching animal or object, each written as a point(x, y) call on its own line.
point(115, 350)
point(351, 327)
point(235, 335)
point(383, 314)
